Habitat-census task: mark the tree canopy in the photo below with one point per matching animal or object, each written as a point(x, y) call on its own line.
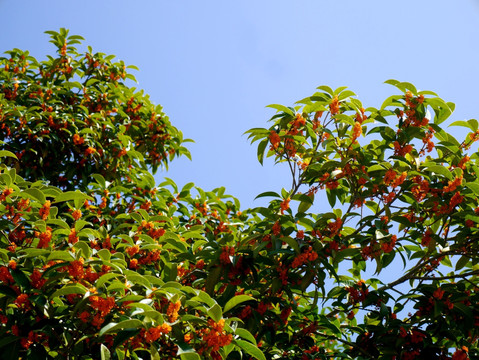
point(97, 261)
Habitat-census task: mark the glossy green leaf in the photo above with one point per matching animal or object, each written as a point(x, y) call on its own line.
point(250, 349)
point(236, 300)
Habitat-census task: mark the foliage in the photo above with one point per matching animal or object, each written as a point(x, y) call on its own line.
point(96, 261)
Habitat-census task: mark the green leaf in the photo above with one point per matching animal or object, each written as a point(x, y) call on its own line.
point(268, 193)
point(105, 353)
point(104, 278)
point(250, 349)
point(8, 291)
point(6, 153)
point(331, 198)
point(474, 187)
point(126, 324)
point(20, 278)
point(236, 300)
point(60, 255)
point(245, 334)
point(463, 260)
point(281, 108)
point(69, 289)
point(261, 149)
point(35, 194)
point(215, 312)
point(440, 170)
point(137, 279)
point(212, 279)
point(72, 195)
point(190, 356)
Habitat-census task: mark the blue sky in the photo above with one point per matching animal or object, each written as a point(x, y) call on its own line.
point(215, 65)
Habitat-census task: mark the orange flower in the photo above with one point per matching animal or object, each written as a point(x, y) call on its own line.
point(102, 305)
point(76, 214)
point(276, 229)
point(335, 226)
point(399, 179)
point(453, 184)
point(22, 302)
point(132, 250)
point(214, 336)
point(45, 210)
point(334, 106)
point(274, 139)
point(90, 150)
point(331, 185)
point(285, 205)
point(389, 245)
point(78, 140)
point(75, 269)
point(438, 294)
point(172, 311)
point(357, 130)
point(36, 279)
point(389, 176)
point(426, 239)
point(462, 163)
point(5, 193)
point(45, 238)
point(72, 237)
point(154, 333)
point(460, 355)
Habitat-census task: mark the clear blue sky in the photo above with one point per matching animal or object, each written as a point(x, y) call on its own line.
point(215, 65)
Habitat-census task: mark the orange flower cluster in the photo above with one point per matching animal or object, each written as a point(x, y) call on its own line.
point(90, 150)
point(172, 311)
point(33, 338)
point(72, 237)
point(36, 279)
point(5, 275)
point(226, 252)
point(132, 250)
point(298, 121)
point(22, 302)
point(5, 193)
point(76, 214)
point(357, 131)
point(389, 197)
point(357, 293)
point(214, 336)
point(154, 333)
point(334, 227)
point(75, 269)
point(426, 238)
point(401, 150)
point(103, 307)
point(308, 255)
point(285, 205)
point(45, 210)
point(453, 184)
point(276, 229)
point(44, 237)
point(463, 161)
point(391, 178)
point(461, 354)
point(334, 106)
point(427, 139)
point(77, 139)
point(274, 139)
point(388, 245)
point(420, 190)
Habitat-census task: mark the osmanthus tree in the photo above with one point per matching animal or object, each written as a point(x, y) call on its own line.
point(97, 261)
